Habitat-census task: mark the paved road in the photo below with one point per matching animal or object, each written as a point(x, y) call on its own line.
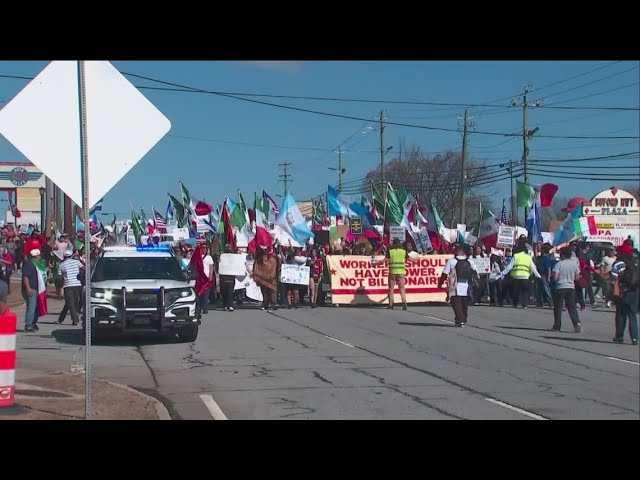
point(369, 363)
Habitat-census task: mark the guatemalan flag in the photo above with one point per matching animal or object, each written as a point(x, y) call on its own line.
point(291, 221)
point(338, 204)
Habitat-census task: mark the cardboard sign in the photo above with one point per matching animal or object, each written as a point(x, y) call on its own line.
point(131, 238)
point(180, 234)
point(355, 225)
point(505, 236)
point(483, 265)
point(355, 280)
point(295, 275)
point(398, 232)
point(423, 242)
point(233, 264)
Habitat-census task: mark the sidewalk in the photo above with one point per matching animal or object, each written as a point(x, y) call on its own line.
point(60, 396)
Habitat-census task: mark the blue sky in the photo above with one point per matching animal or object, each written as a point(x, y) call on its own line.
point(212, 169)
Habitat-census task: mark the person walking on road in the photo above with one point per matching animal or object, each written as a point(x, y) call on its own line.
point(227, 287)
point(544, 263)
point(460, 274)
point(565, 273)
point(265, 274)
point(521, 268)
point(30, 285)
point(69, 271)
point(625, 274)
point(397, 257)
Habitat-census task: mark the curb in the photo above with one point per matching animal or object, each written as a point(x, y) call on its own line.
point(161, 410)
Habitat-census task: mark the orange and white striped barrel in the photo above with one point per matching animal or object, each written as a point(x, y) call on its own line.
point(8, 323)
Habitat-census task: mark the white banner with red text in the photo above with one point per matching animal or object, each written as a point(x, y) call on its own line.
point(364, 280)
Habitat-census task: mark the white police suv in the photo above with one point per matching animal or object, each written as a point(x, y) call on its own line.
point(142, 289)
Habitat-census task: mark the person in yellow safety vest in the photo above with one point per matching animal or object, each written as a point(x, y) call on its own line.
point(521, 269)
point(397, 256)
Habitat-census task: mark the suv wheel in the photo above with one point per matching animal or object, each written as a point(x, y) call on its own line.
point(188, 334)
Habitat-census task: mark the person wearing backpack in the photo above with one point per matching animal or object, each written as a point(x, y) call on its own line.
point(625, 274)
point(460, 274)
point(521, 269)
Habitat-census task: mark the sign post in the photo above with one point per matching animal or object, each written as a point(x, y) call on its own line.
point(84, 169)
point(48, 121)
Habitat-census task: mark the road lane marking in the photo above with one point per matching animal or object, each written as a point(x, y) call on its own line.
point(213, 407)
point(622, 360)
point(436, 318)
point(516, 409)
point(339, 341)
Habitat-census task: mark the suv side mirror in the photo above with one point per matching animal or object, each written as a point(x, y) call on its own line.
point(189, 276)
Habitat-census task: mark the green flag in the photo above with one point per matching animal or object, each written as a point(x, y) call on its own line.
point(238, 216)
point(135, 225)
point(395, 212)
point(180, 212)
point(378, 203)
point(526, 195)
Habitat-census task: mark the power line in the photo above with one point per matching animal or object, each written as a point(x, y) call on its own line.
point(491, 104)
point(594, 94)
point(247, 144)
point(351, 117)
point(592, 82)
point(577, 76)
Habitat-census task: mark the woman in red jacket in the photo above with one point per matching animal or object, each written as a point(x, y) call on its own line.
point(581, 284)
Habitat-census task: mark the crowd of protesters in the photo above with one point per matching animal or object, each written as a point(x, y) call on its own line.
point(561, 278)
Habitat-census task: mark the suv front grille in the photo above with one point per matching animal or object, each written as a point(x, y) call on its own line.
point(142, 299)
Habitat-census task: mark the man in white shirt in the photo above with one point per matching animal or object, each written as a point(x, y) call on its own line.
point(69, 270)
point(460, 274)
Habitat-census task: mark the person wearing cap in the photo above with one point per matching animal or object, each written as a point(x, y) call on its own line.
point(30, 291)
point(397, 256)
point(624, 275)
point(460, 274)
point(565, 273)
point(69, 271)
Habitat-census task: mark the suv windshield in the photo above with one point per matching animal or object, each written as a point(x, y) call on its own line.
point(137, 268)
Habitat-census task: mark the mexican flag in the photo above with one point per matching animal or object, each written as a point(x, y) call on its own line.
point(489, 226)
point(527, 194)
point(262, 236)
point(41, 266)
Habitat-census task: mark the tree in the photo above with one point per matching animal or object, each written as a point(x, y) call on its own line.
point(633, 190)
point(437, 178)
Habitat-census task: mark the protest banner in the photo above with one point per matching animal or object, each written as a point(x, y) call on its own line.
point(483, 265)
point(398, 232)
point(295, 275)
point(233, 264)
point(505, 236)
point(355, 280)
point(423, 242)
point(180, 234)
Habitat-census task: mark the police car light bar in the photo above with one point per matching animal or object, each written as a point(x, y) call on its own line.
point(159, 248)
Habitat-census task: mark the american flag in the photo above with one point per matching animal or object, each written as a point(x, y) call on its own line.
point(503, 215)
point(161, 224)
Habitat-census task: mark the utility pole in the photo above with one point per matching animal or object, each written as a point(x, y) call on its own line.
point(340, 168)
point(284, 177)
point(463, 171)
point(526, 133)
point(382, 152)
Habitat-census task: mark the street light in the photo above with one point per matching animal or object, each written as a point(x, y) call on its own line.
point(42, 191)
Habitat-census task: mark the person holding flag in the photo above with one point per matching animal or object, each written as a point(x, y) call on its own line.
point(34, 290)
